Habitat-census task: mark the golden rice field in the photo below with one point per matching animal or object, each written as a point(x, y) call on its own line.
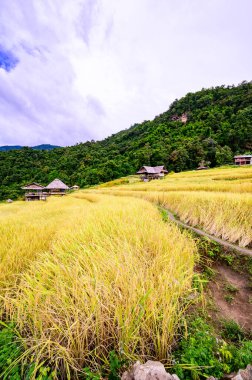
point(217, 200)
point(93, 272)
point(88, 273)
point(226, 179)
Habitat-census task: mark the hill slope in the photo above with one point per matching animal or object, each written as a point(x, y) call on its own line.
point(218, 125)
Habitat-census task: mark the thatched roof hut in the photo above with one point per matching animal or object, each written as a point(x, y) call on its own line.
point(152, 170)
point(33, 186)
point(57, 187)
point(57, 184)
point(34, 192)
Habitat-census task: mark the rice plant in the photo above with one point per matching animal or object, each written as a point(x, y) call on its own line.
point(217, 200)
point(112, 276)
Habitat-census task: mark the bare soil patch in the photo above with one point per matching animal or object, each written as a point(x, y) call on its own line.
point(231, 293)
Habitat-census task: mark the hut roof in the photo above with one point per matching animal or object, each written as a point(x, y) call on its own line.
point(152, 170)
point(33, 186)
point(202, 168)
point(57, 184)
point(244, 156)
point(160, 169)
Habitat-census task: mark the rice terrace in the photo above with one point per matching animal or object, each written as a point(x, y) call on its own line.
point(104, 272)
point(125, 190)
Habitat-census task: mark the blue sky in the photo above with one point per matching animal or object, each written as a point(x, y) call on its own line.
point(7, 60)
point(72, 71)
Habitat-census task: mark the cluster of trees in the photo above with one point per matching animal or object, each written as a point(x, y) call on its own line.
point(219, 125)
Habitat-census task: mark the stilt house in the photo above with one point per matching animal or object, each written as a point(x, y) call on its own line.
point(34, 192)
point(37, 192)
point(148, 173)
point(57, 187)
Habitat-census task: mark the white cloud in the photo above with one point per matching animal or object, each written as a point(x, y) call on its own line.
point(90, 68)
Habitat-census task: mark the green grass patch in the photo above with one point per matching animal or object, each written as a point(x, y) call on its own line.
point(201, 353)
point(11, 355)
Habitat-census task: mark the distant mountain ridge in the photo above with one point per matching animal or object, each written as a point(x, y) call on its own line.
point(6, 148)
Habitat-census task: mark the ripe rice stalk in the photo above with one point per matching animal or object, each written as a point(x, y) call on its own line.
point(26, 229)
point(116, 278)
point(226, 215)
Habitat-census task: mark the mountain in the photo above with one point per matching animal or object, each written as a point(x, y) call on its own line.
point(6, 148)
point(212, 125)
point(45, 147)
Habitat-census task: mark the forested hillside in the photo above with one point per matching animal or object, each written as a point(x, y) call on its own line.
point(218, 125)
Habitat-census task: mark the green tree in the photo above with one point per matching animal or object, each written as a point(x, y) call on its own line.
point(224, 155)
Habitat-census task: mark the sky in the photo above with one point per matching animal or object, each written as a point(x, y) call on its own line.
point(72, 71)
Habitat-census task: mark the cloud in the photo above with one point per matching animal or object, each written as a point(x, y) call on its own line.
point(73, 71)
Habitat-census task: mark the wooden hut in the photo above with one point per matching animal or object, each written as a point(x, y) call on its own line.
point(246, 159)
point(57, 187)
point(148, 173)
point(34, 192)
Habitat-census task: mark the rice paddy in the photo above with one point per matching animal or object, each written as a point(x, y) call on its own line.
point(99, 270)
point(217, 200)
point(93, 273)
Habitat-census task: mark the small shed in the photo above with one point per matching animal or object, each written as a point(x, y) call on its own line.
point(245, 159)
point(152, 172)
point(57, 187)
point(75, 187)
point(34, 192)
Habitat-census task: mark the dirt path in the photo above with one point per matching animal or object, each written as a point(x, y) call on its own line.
point(244, 251)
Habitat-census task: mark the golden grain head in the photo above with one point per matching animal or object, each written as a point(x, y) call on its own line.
point(104, 273)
